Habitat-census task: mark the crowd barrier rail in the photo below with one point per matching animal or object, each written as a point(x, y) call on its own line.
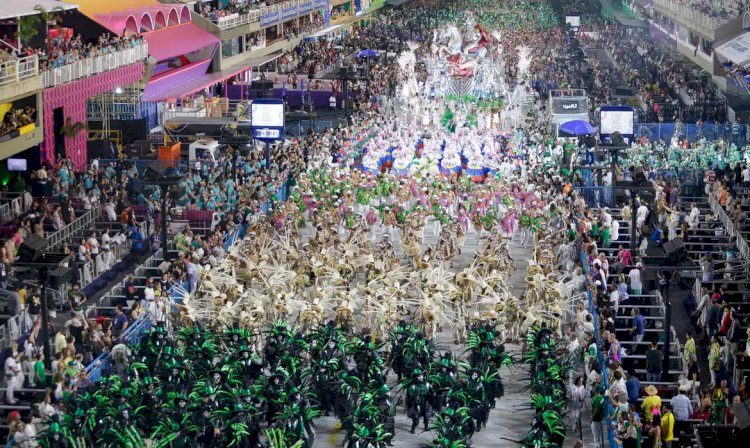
point(739, 134)
point(93, 66)
point(719, 211)
point(599, 354)
point(82, 222)
point(19, 69)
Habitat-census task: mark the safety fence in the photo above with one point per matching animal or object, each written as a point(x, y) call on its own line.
point(731, 229)
point(93, 66)
point(597, 338)
point(136, 329)
point(19, 69)
point(14, 204)
point(130, 336)
point(82, 222)
point(736, 133)
point(596, 196)
point(685, 12)
point(21, 323)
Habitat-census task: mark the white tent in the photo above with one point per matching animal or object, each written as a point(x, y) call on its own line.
point(11, 9)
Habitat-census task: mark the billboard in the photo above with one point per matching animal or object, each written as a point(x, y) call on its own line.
point(268, 119)
point(617, 119)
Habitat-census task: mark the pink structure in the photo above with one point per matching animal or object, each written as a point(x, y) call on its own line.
point(144, 20)
point(72, 98)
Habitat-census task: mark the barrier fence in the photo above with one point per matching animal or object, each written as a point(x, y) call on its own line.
point(599, 354)
point(719, 211)
point(19, 69)
point(82, 222)
point(739, 134)
point(13, 205)
point(686, 13)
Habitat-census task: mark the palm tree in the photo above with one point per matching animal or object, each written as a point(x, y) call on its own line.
point(27, 28)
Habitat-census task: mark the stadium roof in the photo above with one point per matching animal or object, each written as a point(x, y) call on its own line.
point(11, 9)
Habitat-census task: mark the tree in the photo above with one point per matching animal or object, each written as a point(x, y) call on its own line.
point(70, 129)
point(28, 26)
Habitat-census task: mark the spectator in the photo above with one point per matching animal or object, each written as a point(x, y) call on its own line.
point(650, 403)
point(14, 377)
point(667, 425)
point(76, 297)
point(638, 328)
point(714, 361)
point(634, 276)
point(120, 322)
point(681, 404)
point(597, 417)
point(633, 386)
point(654, 359)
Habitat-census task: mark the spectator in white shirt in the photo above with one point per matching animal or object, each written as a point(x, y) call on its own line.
point(614, 297)
point(634, 276)
point(148, 291)
point(87, 200)
point(84, 254)
point(606, 218)
point(746, 176)
point(681, 406)
point(694, 216)
point(109, 209)
point(93, 244)
point(640, 216)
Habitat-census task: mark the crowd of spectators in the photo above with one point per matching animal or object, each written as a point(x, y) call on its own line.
point(216, 9)
point(639, 413)
point(63, 50)
point(306, 25)
point(738, 73)
point(717, 9)
point(15, 119)
point(668, 86)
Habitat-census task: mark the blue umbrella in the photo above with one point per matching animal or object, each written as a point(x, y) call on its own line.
point(368, 54)
point(577, 127)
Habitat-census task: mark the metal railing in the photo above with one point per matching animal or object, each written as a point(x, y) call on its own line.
point(12, 205)
point(21, 324)
point(209, 108)
point(235, 20)
point(93, 66)
point(683, 11)
point(134, 331)
point(82, 222)
point(19, 69)
point(739, 135)
point(719, 211)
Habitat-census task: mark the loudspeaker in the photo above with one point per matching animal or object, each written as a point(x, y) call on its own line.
point(675, 251)
point(154, 172)
point(639, 177)
point(60, 276)
point(31, 248)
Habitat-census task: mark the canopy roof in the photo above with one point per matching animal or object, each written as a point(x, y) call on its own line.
point(10, 9)
point(736, 50)
point(178, 40)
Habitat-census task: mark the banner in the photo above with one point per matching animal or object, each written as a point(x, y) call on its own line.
point(288, 12)
point(269, 18)
point(305, 8)
point(569, 106)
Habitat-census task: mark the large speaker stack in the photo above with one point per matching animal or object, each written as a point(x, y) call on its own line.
point(32, 248)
